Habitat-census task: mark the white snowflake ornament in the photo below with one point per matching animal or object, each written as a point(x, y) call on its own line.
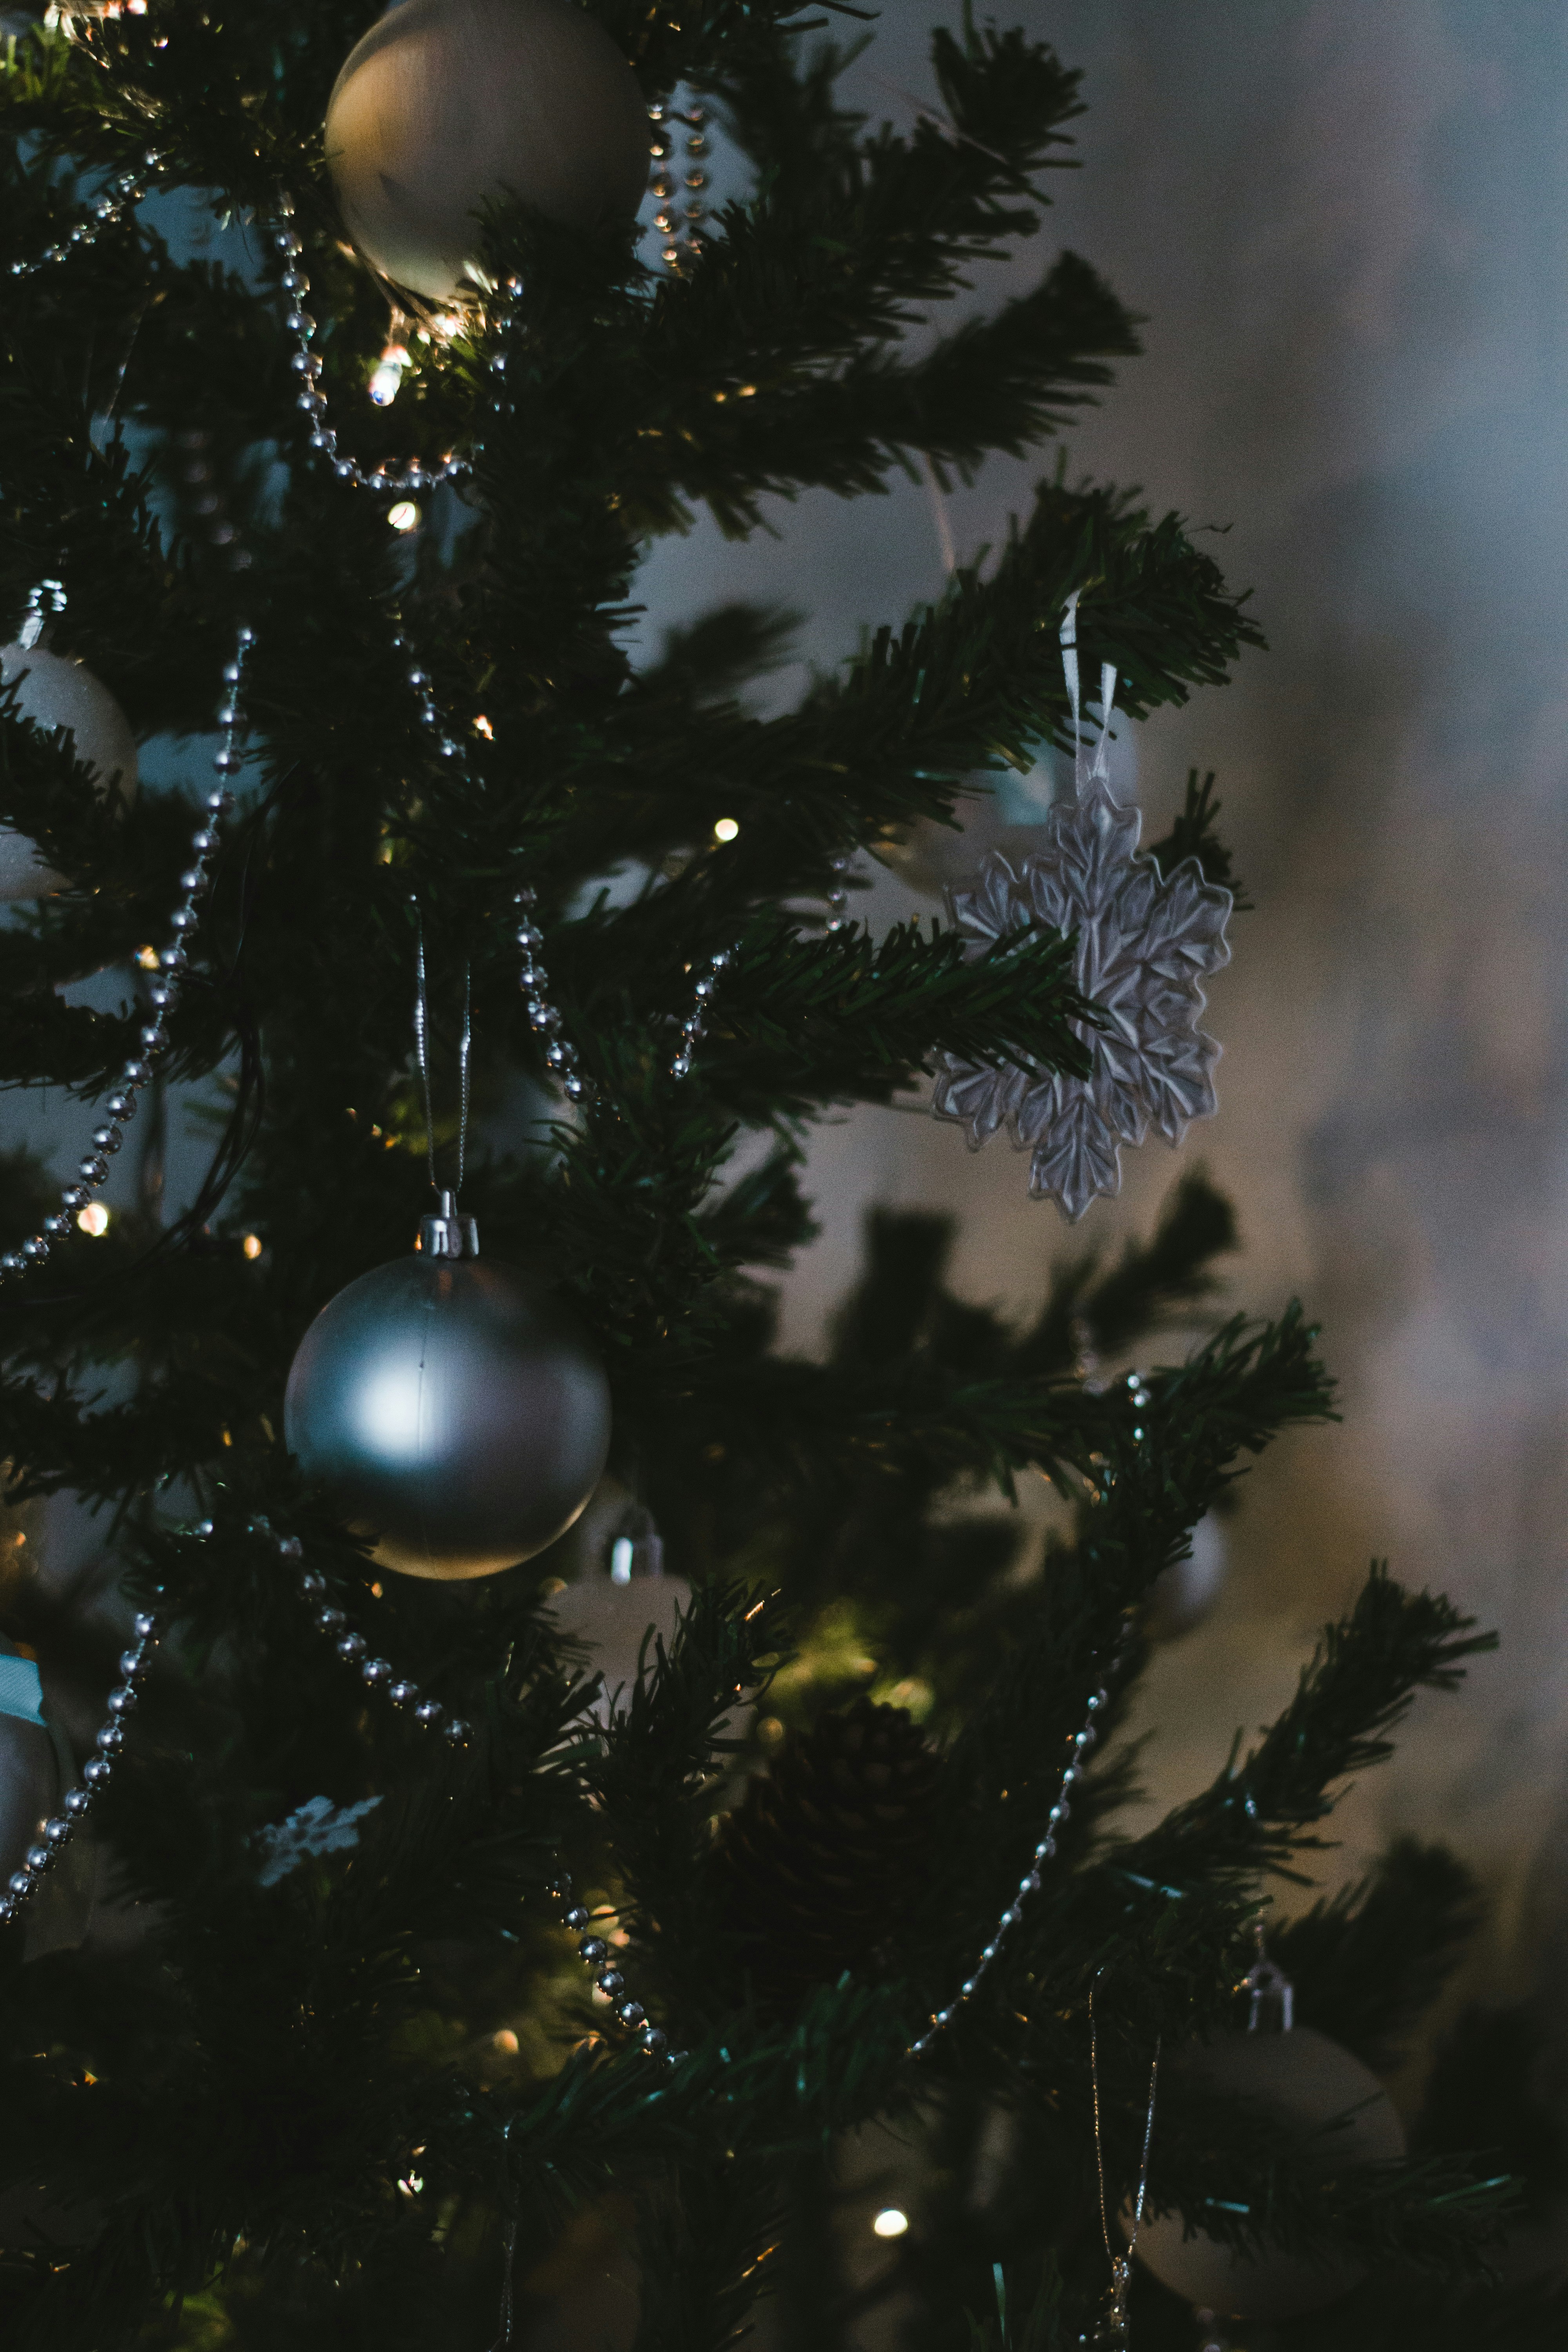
point(318, 1827)
point(1145, 942)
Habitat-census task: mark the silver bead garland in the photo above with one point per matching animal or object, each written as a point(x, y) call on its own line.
point(109, 210)
point(694, 1028)
point(376, 1673)
point(395, 481)
point(23, 1883)
point(1030, 1883)
point(694, 209)
point(596, 1956)
point(94, 1169)
point(312, 400)
point(838, 895)
point(544, 1017)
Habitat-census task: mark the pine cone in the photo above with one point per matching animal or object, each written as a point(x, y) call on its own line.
point(818, 1865)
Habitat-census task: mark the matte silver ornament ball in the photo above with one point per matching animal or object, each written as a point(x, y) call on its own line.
point(452, 1408)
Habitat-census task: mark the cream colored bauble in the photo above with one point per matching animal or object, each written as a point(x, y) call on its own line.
point(1340, 2112)
point(446, 104)
point(57, 692)
point(1182, 1595)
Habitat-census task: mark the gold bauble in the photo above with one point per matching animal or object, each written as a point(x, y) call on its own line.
point(447, 104)
point(57, 692)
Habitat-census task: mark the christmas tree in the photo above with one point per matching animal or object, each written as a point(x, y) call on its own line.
point(405, 1946)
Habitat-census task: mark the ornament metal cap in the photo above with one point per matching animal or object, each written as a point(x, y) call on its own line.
point(446, 1234)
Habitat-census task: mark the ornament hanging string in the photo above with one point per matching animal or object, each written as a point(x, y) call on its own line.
point(1112, 2331)
point(422, 1059)
point(1099, 768)
point(507, 2306)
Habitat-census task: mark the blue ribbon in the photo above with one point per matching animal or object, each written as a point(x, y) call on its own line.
point(21, 1692)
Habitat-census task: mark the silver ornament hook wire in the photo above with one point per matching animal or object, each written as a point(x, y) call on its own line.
point(1114, 2329)
point(422, 1058)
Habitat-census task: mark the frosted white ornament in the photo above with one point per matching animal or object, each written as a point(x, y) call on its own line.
point(1182, 1596)
point(445, 105)
point(57, 692)
point(1337, 2112)
point(1144, 942)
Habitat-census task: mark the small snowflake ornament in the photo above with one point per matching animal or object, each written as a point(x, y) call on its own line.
point(318, 1827)
point(1143, 943)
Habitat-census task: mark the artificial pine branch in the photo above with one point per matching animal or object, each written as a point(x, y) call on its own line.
point(1264, 1806)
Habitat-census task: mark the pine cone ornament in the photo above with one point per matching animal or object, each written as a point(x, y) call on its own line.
point(818, 1866)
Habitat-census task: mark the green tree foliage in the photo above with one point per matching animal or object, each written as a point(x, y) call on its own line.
point(312, 2112)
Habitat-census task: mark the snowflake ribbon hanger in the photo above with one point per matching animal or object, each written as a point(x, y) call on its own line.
point(1143, 944)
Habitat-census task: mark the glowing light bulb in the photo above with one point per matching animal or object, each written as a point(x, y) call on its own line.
point(621, 1560)
point(148, 959)
point(890, 2223)
point(252, 1245)
point(388, 375)
point(93, 1219)
point(404, 516)
point(726, 829)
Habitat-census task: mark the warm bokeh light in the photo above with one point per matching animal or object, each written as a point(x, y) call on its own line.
point(253, 1245)
point(890, 2223)
point(726, 829)
point(148, 959)
point(93, 1219)
point(404, 516)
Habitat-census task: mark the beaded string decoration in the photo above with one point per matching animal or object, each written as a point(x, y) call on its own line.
point(93, 1170)
point(544, 1017)
point(1077, 1764)
point(378, 1674)
point(312, 401)
point(399, 481)
point(23, 1883)
point(110, 209)
point(686, 247)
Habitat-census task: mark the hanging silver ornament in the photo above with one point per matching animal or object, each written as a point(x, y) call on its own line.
point(447, 105)
point(1144, 940)
point(451, 1408)
point(52, 692)
point(1333, 2107)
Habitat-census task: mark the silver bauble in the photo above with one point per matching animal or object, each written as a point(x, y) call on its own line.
point(445, 105)
point(1322, 2093)
point(452, 1408)
point(57, 692)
